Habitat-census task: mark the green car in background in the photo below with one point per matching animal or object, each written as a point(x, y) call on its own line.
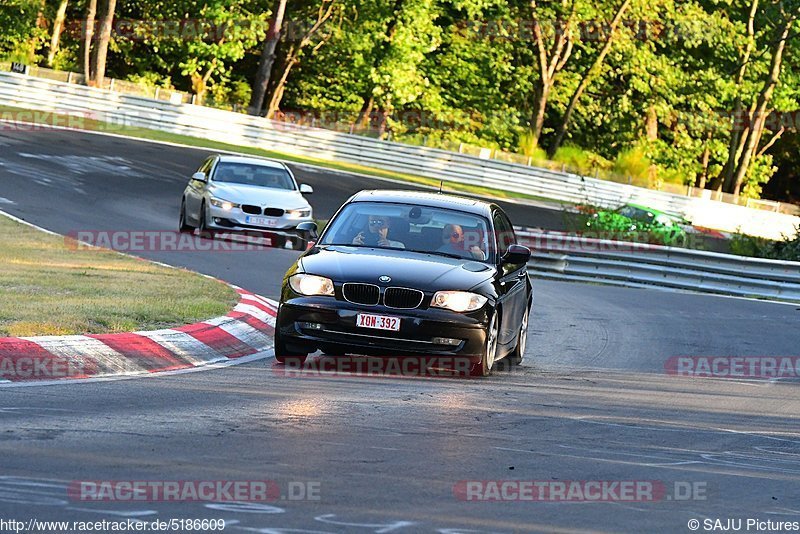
point(633, 221)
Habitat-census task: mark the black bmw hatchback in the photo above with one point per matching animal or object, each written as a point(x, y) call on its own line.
point(398, 273)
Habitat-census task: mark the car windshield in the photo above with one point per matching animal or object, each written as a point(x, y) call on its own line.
point(635, 213)
point(253, 174)
point(423, 229)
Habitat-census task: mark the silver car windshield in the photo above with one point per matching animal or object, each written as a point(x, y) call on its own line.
point(257, 175)
point(424, 229)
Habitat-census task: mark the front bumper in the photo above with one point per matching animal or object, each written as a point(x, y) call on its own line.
point(235, 220)
point(419, 329)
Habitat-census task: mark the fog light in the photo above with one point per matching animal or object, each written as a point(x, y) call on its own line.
point(311, 326)
point(217, 220)
point(446, 341)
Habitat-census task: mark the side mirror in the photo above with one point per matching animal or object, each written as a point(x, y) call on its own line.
point(310, 228)
point(200, 177)
point(306, 189)
point(515, 255)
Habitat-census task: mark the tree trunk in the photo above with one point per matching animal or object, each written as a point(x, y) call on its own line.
point(88, 38)
point(293, 56)
point(200, 83)
point(541, 96)
point(277, 94)
point(550, 63)
point(734, 147)
point(58, 26)
point(102, 45)
point(587, 78)
point(701, 180)
point(365, 115)
point(651, 124)
point(266, 61)
point(754, 135)
point(383, 118)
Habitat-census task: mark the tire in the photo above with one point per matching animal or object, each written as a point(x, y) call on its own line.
point(183, 226)
point(278, 241)
point(203, 224)
point(282, 354)
point(330, 350)
point(484, 367)
point(518, 354)
point(298, 243)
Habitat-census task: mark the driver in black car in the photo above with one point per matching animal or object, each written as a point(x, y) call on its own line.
point(378, 234)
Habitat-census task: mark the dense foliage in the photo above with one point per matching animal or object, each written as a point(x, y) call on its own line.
point(701, 92)
point(788, 249)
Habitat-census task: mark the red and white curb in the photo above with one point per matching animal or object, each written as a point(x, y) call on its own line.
point(242, 335)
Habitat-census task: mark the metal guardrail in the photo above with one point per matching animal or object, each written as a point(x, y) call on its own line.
point(576, 258)
point(234, 128)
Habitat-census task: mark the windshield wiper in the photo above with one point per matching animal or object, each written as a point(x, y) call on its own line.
point(438, 253)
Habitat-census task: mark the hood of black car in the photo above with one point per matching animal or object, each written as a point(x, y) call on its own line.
point(406, 269)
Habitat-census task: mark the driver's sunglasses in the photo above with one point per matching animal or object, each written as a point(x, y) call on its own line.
point(456, 235)
point(377, 222)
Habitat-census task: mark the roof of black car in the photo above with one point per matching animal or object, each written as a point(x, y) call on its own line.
point(420, 198)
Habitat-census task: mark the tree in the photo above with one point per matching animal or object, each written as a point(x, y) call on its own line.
point(758, 116)
point(552, 60)
point(100, 50)
point(88, 39)
point(588, 76)
point(267, 59)
point(194, 45)
point(20, 29)
point(58, 26)
point(324, 12)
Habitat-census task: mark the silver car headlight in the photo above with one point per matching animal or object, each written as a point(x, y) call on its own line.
point(298, 214)
point(310, 285)
point(458, 301)
point(223, 204)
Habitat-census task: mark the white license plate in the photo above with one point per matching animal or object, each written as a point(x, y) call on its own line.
point(380, 322)
point(260, 221)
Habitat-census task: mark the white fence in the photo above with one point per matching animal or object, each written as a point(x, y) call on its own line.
point(575, 258)
point(238, 129)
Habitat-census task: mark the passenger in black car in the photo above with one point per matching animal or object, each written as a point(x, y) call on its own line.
point(453, 238)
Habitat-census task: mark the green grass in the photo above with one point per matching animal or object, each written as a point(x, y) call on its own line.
point(157, 135)
point(48, 287)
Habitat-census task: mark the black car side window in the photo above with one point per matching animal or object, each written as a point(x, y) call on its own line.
point(504, 233)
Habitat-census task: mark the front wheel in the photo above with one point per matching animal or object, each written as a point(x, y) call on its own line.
point(203, 227)
point(484, 367)
point(284, 355)
point(518, 354)
point(183, 226)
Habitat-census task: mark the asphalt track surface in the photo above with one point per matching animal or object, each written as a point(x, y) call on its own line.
point(592, 401)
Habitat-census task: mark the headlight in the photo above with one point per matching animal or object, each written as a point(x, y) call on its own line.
point(224, 204)
point(458, 301)
point(309, 284)
point(298, 214)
